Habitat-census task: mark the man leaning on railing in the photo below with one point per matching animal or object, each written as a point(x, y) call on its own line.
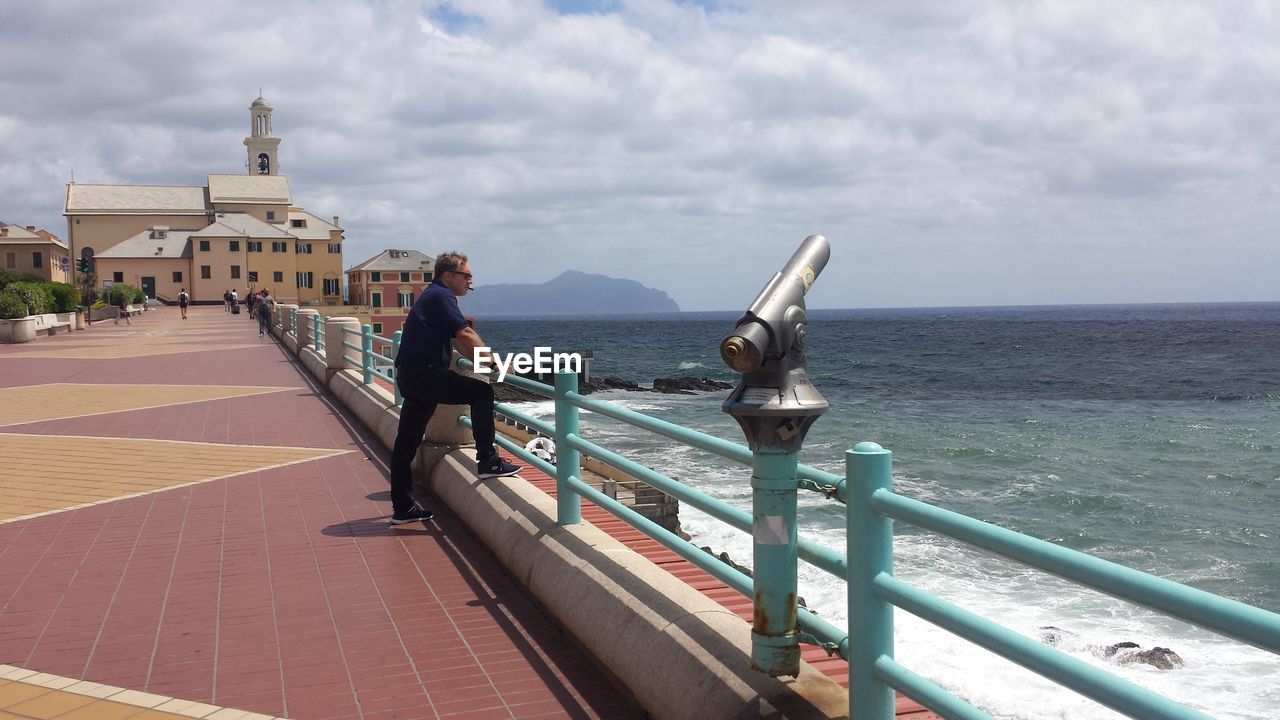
point(424, 377)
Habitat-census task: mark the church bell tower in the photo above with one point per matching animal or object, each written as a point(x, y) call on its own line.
point(261, 144)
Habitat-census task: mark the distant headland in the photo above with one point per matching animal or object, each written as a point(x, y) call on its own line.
point(570, 293)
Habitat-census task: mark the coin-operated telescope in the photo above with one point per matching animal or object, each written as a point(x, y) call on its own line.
point(775, 403)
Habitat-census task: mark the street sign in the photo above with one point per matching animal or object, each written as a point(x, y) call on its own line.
point(106, 284)
point(64, 262)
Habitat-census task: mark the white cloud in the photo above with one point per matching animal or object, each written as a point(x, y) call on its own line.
point(954, 152)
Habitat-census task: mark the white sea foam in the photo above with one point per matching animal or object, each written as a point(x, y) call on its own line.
point(687, 365)
point(1220, 677)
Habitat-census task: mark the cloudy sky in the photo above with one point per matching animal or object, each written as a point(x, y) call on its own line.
point(957, 152)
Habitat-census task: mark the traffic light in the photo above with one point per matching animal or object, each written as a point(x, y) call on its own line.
point(83, 265)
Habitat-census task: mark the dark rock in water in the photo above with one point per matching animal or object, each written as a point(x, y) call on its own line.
point(688, 386)
point(1052, 636)
point(1121, 653)
point(608, 383)
point(1161, 658)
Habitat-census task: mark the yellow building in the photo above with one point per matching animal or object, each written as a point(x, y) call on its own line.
point(28, 251)
point(239, 232)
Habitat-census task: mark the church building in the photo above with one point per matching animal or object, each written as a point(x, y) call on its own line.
point(239, 232)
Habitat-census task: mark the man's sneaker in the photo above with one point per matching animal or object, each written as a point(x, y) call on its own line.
point(495, 467)
point(413, 514)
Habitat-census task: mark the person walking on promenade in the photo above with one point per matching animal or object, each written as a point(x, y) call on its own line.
point(226, 300)
point(235, 302)
point(183, 300)
point(122, 308)
point(263, 306)
point(249, 304)
point(433, 327)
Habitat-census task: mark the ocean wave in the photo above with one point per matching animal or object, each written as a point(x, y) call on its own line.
point(688, 365)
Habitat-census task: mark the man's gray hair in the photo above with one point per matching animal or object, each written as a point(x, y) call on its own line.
point(447, 261)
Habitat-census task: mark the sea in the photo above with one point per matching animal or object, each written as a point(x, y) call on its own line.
point(1148, 435)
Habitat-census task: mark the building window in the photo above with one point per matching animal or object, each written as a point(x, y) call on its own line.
point(426, 277)
point(205, 272)
point(177, 276)
point(304, 280)
point(404, 277)
point(279, 247)
point(298, 223)
point(117, 277)
point(277, 276)
point(204, 246)
point(37, 260)
point(235, 246)
point(331, 286)
point(335, 248)
point(235, 272)
point(271, 215)
point(253, 246)
point(375, 300)
point(375, 277)
point(377, 328)
point(11, 260)
point(253, 277)
point(405, 299)
point(303, 248)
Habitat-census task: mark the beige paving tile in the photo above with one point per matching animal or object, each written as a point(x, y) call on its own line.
point(34, 403)
point(103, 710)
point(91, 469)
point(16, 692)
point(141, 699)
point(50, 705)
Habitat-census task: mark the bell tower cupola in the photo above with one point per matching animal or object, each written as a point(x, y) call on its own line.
point(261, 144)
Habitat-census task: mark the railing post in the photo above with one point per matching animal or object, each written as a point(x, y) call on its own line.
point(395, 371)
point(315, 331)
point(568, 461)
point(366, 352)
point(868, 468)
point(775, 646)
point(293, 319)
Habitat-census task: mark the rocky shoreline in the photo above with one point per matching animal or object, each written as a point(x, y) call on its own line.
point(506, 392)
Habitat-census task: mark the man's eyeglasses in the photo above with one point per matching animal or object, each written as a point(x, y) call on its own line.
point(465, 275)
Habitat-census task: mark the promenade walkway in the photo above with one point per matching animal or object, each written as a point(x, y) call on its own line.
point(190, 528)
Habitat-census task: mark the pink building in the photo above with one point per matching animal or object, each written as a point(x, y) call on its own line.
point(385, 286)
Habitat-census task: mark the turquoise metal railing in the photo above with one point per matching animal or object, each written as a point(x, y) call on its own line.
point(867, 565)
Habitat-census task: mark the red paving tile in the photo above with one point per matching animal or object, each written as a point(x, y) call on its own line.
point(282, 591)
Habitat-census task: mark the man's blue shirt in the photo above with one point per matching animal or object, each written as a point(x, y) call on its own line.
point(427, 337)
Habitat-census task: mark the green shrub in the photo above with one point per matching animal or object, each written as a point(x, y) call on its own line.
point(35, 296)
point(130, 293)
point(11, 306)
point(138, 296)
point(8, 278)
point(65, 297)
point(98, 305)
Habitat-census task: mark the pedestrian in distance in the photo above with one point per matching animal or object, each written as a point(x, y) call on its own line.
point(249, 301)
point(432, 329)
point(122, 308)
point(183, 301)
point(226, 300)
point(235, 302)
point(264, 306)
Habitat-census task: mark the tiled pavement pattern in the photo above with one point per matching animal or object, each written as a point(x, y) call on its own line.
point(265, 578)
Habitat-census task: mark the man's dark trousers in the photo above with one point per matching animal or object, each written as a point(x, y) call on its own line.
point(423, 389)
